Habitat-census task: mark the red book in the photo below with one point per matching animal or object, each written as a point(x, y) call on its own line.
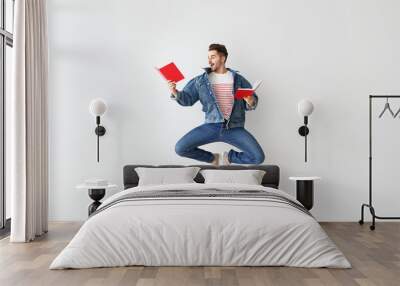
point(244, 92)
point(171, 72)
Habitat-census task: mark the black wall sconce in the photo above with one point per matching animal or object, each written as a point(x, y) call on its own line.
point(97, 108)
point(305, 108)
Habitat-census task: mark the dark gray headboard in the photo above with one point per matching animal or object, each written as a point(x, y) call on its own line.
point(270, 179)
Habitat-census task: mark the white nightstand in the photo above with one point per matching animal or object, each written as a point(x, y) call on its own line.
point(96, 193)
point(305, 190)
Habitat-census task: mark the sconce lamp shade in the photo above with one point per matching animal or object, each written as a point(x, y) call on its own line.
point(305, 107)
point(97, 107)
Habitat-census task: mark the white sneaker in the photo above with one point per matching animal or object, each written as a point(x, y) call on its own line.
point(215, 162)
point(225, 158)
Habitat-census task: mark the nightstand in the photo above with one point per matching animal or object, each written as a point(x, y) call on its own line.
point(96, 193)
point(305, 190)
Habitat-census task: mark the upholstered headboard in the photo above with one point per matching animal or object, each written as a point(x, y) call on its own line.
point(270, 179)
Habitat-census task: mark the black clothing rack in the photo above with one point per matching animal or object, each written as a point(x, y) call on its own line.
point(369, 205)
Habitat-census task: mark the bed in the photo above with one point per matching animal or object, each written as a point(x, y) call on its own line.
point(201, 224)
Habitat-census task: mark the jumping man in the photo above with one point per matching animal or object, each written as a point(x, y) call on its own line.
point(224, 115)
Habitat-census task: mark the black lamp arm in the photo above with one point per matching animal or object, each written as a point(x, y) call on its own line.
point(303, 131)
point(100, 131)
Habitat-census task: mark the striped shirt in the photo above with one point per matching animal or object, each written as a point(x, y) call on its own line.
point(222, 86)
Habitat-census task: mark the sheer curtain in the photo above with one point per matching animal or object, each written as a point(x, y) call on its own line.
point(28, 157)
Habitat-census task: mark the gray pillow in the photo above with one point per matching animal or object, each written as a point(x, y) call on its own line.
point(164, 176)
point(249, 177)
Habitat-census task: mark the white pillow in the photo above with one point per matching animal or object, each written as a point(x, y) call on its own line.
point(249, 177)
point(163, 176)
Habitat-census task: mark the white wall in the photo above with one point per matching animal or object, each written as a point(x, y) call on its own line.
point(334, 53)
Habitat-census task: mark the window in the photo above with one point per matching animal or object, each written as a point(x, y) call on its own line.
point(6, 44)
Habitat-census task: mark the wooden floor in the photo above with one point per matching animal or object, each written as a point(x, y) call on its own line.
point(374, 255)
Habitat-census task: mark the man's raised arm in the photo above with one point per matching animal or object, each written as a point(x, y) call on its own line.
point(253, 98)
point(186, 97)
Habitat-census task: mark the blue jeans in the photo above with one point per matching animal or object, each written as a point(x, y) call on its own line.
point(207, 133)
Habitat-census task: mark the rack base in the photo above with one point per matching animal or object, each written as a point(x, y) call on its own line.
point(374, 216)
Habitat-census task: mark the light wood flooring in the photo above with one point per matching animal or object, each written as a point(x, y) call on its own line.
point(374, 255)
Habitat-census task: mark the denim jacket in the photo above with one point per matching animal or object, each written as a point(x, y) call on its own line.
point(199, 88)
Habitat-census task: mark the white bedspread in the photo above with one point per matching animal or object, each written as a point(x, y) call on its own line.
point(194, 231)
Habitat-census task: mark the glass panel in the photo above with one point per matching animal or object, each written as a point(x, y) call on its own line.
point(8, 69)
point(1, 13)
point(2, 202)
point(9, 15)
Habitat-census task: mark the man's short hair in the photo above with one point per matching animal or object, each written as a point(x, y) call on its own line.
point(220, 49)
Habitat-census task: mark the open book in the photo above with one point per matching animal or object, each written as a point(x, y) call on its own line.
point(171, 72)
point(244, 92)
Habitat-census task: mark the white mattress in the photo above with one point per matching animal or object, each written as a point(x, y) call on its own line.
point(199, 231)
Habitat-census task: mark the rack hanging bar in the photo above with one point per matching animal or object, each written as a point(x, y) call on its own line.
point(384, 96)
